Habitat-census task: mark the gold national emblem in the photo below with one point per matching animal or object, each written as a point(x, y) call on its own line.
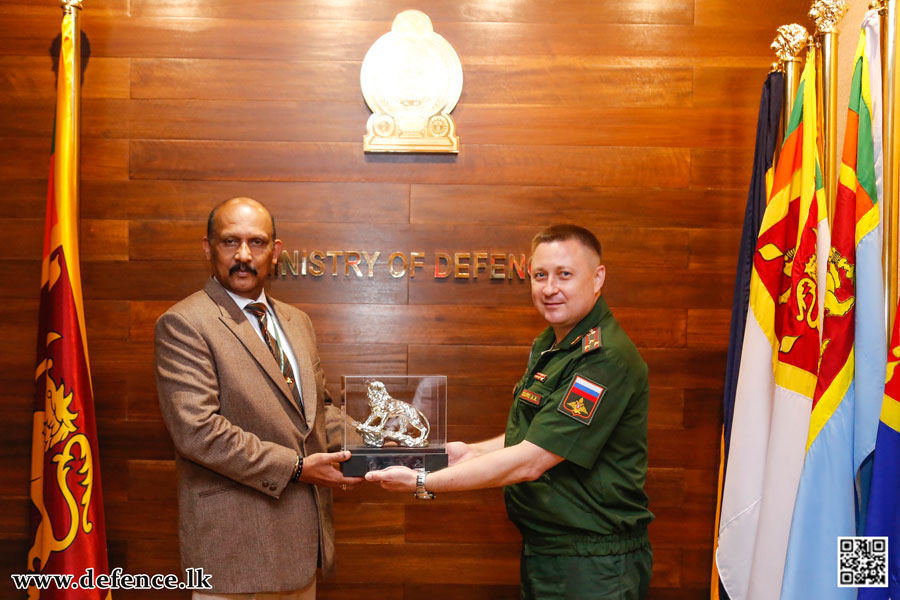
point(411, 79)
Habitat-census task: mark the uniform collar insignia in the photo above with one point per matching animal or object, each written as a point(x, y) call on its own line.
point(592, 341)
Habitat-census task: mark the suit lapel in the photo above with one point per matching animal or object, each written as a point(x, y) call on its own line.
point(297, 338)
point(235, 319)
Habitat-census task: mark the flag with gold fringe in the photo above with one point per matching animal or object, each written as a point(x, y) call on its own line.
point(850, 386)
point(69, 531)
point(779, 363)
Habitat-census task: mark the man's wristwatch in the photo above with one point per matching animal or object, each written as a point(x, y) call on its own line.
point(421, 492)
point(298, 469)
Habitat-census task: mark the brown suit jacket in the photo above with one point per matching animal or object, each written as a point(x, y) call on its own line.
point(237, 432)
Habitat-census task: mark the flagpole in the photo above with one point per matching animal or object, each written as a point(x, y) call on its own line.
point(827, 14)
point(777, 67)
point(789, 41)
point(888, 11)
point(67, 144)
point(73, 8)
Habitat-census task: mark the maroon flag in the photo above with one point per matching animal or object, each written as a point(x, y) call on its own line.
point(67, 513)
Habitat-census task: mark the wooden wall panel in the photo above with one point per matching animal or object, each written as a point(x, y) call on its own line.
point(244, 79)
point(720, 168)
point(283, 161)
point(26, 274)
point(726, 86)
point(530, 205)
point(707, 327)
point(32, 78)
point(325, 202)
point(765, 13)
point(610, 125)
point(635, 118)
point(523, 82)
point(618, 11)
point(30, 7)
point(28, 158)
point(345, 40)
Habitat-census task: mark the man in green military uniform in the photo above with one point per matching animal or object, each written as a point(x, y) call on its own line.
point(574, 457)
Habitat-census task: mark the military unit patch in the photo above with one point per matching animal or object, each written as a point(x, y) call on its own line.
point(591, 341)
point(540, 377)
point(581, 401)
point(530, 396)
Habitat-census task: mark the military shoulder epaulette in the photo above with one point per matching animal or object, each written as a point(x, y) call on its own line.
point(591, 341)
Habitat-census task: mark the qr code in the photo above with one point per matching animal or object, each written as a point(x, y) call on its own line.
point(862, 561)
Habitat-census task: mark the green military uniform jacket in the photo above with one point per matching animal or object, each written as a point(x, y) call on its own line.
point(584, 399)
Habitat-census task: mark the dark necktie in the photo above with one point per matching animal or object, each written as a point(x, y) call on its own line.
point(258, 309)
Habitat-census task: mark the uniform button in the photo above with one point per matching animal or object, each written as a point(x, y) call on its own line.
point(273, 487)
point(265, 483)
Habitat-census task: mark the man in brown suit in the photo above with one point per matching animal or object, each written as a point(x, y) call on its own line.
point(242, 393)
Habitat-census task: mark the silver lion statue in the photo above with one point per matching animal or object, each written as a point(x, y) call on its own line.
point(392, 420)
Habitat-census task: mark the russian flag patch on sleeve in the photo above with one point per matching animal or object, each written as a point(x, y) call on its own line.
point(581, 401)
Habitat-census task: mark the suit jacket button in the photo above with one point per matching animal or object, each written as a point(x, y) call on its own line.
point(265, 483)
point(273, 487)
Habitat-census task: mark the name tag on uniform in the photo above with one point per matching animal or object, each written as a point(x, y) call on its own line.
point(529, 396)
point(581, 400)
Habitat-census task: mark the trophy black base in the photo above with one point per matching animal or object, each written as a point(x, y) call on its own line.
point(364, 460)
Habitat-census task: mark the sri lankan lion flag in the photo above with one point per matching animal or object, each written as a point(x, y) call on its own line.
point(850, 387)
point(67, 512)
point(779, 362)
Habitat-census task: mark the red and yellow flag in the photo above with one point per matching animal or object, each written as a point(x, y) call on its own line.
point(67, 513)
point(850, 386)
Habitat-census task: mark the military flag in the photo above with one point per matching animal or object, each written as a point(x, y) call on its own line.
point(850, 385)
point(779, 364)
point(69, 531)
point(883, 517)
point(760, 185)
point(884, 502)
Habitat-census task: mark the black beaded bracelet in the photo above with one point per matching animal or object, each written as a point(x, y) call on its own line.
point(298, 468)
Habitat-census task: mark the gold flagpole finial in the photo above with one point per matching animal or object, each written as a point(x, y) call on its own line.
point(70, 5)
point(827, 14)
point(789, 41)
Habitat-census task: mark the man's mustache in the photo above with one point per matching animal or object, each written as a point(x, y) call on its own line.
point(243, 268)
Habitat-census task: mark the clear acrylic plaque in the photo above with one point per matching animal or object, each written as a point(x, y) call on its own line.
point(394, 420)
